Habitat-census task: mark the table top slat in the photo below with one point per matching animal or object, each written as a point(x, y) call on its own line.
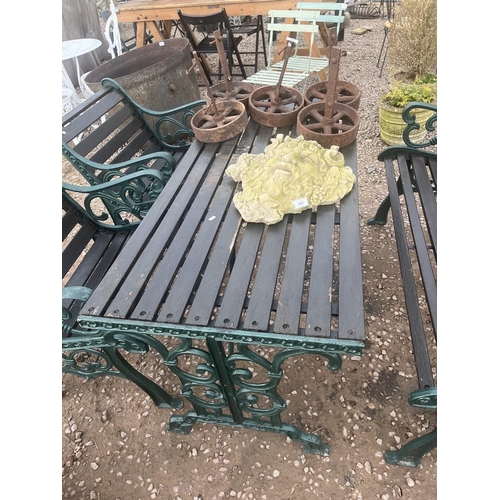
point(176, 245)
point(351, 317)
point(189, 273)
point(260, 305)
point(290, 295)
point(104, 298)
point(202, 307)
point(237, 287)
point(319, 310)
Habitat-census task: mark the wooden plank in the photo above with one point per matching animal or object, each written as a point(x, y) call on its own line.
point(427, 197)
point(426, 269)
point(261, 301)
point(290, 296)
point(189, 274)
point(201, 309)
point(75, 247)
point(351, 316)
point(86, 115)
point(319, 310)
point(103, 294)
point(420, 352)
point(168, 264)
point(241, 272)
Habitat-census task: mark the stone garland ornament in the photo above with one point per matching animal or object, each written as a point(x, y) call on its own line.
point(290, 176)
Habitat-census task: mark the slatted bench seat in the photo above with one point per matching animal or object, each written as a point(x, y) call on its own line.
point(125, 155)
point(89, 250)
point(110, 134)
point(411, 172)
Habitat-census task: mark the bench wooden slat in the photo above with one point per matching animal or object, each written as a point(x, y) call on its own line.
point(429, 202)
point(77, 245)
point(104, 292)
point(290, 296)
point(85, 116)
point(321, 293)
point(426, 270)
point(351, 300)
point(421, 354)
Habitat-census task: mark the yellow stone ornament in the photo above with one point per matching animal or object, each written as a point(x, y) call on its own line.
point(292, 175)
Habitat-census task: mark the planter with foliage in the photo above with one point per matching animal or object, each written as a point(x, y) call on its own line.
point(391, 107)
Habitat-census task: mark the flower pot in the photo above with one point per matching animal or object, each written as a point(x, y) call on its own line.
point(392, 124)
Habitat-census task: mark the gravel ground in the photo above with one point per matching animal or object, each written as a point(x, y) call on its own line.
point(115, 444)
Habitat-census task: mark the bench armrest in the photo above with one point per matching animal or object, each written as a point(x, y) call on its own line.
point(409, 118)
point(125, 200)
point(108, 172)
point(179, 116)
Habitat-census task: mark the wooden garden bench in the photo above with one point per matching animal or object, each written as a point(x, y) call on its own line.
point(411, 172)
point(125, 155)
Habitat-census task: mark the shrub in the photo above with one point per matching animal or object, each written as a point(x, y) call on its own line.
point(401, 93)
point(412, 45)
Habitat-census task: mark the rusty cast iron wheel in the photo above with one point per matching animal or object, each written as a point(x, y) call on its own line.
point(273, 109)
point(220, 124)
point(347, 93)
point(241, 91)
point(334, 126)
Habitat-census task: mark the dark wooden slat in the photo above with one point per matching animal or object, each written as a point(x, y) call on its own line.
point(427, 196)
point(104, 131)
point(433, 167)
point(241, 272)
point(147, 307)
point(290, 297)
point(421, 354)
point(70, 220)
point(91, 259)
point(151, 225)
point(173, 309)
point(201, 309)
point(261, 301)
point(76, 246)
point(321, 281)
point(84, 120)
point(146, 263)
point(119, 140)
point(351, 315)
point(426, 270)
point(85, 105)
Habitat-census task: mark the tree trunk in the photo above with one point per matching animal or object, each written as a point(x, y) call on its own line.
point(81, 20)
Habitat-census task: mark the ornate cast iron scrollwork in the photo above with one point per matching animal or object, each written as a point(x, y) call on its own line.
point(180, 117)
point(217, 380)
point(412, 124)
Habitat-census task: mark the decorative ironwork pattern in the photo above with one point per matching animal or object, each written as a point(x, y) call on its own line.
point(126, 196)
point(180, 117)
point(410, 119)
point(347, 347)
point(229, 384)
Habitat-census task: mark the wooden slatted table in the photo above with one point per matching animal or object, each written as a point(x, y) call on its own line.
point(195, 271)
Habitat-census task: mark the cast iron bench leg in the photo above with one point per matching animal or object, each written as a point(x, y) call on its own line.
point(380, 218)
point(411, 453)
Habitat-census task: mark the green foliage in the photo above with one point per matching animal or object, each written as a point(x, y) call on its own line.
point(412, 49)
point(402, 93)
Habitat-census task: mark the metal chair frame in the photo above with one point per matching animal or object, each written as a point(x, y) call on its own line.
point(298, 67)
point(205, 46)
